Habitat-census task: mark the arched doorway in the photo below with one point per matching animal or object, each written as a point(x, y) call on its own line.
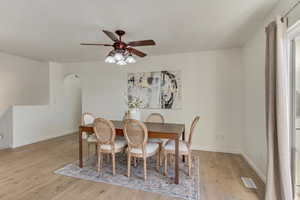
point(73, 99)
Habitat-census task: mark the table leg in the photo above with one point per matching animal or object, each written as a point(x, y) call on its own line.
point(177, 161)
point(183, 139)
point(80, 148)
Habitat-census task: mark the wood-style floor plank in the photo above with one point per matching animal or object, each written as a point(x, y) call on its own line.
point(26, 173)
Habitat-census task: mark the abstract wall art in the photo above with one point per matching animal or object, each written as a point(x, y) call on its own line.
point(157, 90)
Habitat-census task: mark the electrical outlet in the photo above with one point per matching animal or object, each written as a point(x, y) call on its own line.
point(220, 137)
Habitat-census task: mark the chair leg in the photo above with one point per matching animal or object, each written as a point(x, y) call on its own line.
point(145, 168)
point(159, 153)
point(170, 159)
point(166, 164)
point(102, 160)
point(88, 150)
point(128, 164)
point(96, 148)
point(99, 161)
point(134, 162)
point(113, 163)
point(158, 161)
point(190, 164)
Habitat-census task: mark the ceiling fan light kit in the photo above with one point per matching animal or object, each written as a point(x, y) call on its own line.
point(130, 59)
point(122, 53)
point(110, 59)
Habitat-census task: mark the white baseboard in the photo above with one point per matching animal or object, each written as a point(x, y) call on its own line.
point(217, 149)
point(4, 147)
point(298, 190)
point(42, 139)
point(254, 166)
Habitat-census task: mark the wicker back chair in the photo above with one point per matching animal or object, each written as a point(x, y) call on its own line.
point(184, 147)
point(192, 129)
point(106, 141)
point(88, 118)
point(126, 116)
point(136, 134)
point(156, 118)
point(105, 131)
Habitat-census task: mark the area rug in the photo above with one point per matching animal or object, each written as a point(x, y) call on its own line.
point(156, 182)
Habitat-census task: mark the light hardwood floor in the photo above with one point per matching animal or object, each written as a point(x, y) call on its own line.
point(26, 173)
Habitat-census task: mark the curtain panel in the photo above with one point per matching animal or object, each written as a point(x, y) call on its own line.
point(279, 179)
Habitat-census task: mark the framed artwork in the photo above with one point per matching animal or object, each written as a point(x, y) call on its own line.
point(157, 90)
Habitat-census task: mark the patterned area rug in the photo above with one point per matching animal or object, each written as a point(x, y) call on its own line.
point(156, 182)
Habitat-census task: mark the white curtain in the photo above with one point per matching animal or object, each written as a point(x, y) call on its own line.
point(279, 178)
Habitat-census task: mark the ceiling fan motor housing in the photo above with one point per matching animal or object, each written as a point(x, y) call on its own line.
point(120, 45)
point(120, 32)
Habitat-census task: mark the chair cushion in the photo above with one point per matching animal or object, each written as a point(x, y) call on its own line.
point(92, 138)
point(84, 135)
point(170, 146)
point(150, 148)
point(120, 137)
point(157, 140)
point(88, 119)
point(119, 144)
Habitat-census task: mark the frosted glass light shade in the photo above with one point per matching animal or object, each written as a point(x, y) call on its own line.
point(121, 62)
point(118, 56)
point(130, 59)
point(110, 59)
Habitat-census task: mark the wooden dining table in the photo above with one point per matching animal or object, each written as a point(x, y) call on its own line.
point(155, 130)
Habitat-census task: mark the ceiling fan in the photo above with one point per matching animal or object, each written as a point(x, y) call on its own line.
point(122, 52)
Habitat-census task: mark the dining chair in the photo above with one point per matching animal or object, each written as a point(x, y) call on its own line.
point(107, 142)
point(126, 116)
point(184, 148)
point(157, 118)
point(136, 134)
point(88, 118)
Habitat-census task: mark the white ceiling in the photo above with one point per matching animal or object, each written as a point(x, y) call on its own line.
point(51, 30)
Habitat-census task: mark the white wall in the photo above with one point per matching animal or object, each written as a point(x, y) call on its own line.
point(62, 116)
point(23, 81)
point(254, 138)
point(6, 128)
point(212, 88)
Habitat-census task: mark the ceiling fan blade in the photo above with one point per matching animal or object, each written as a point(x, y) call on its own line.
point(136, 52)
point(92, 44)
point(141, 43)
point(111, 35)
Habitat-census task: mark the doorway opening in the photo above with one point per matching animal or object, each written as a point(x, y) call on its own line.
point(73, 99)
